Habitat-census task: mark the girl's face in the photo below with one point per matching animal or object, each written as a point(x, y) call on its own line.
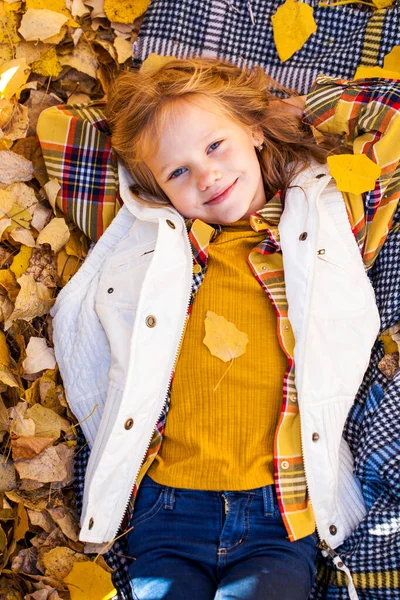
point(206, 164)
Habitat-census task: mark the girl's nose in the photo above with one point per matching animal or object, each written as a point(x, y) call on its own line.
point(207, 178)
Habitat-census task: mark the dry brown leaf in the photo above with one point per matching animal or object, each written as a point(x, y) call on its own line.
point(82, 59)
point(41, 216)
point(8, 479)
point(29, 447)
point(23, 236)
point(51, 465)
point(20, 425)
point(66, 522)
point(38, 356)
point(41, 518)
point(3, 416)
point(33, 300)
point(41, 24)
point(78, 99)
point(59, 561)
point(98, 8)
point(56, 234)
point(21, 524)
point(123, 48)
point(31, 51)
point(23, 195)
point(43, 267)
point(52, 187)
point(77, 8)
point(6, 375)
point(55, 5)
point(17, 126)
point(14, 167)
point(25, 561)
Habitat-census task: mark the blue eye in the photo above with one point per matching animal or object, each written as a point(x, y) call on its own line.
point(214, 146)
point(178, 172)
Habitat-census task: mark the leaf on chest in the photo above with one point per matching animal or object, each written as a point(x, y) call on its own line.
point(224, 340)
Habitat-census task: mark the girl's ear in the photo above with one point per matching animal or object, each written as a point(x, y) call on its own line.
point(257, 135)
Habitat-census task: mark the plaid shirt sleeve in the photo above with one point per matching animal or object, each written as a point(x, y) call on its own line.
point(367, 113)
point(77, 151)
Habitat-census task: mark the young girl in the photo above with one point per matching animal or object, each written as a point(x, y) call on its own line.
point(230, 215)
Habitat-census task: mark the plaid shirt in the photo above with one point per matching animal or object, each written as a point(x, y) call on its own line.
point(365, 111)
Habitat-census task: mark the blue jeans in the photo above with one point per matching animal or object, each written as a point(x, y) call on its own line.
point(204, 545)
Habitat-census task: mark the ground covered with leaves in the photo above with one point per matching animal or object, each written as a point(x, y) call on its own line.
point(51, 52)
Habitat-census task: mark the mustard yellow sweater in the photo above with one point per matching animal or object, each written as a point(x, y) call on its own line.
point(223, 439)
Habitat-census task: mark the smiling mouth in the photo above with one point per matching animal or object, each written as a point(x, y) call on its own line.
point(223, 195)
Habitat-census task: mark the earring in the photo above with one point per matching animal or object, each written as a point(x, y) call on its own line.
point(260, 146)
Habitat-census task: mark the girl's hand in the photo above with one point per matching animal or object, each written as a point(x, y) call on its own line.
point(295, 105)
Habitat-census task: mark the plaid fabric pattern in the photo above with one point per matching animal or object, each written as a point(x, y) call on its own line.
point(77, 151)
point(240, 31)
point(367, 111)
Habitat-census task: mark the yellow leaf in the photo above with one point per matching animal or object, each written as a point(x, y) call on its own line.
point(82, 58)
point(293, 23)
point(6, 375)
point(56, 233)
point(382, 3)
point(21, 261)
point(154, 62)
point(9, 283)
point(4, 353)
point(392, 60)
point(23, 236)
point(125, 12)
point(47, 422)
point(19, 216)
point(47, 64)
point(222, 338)
point(67, 266)
point(390, 69)
point(88, 581)
point(354, 173)
point(13, 74)
point(367, 72)
point(123, 48)
point(40, 24)
point(56, 5)
point(8, 29)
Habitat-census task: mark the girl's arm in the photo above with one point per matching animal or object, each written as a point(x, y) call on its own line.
point(77, 152)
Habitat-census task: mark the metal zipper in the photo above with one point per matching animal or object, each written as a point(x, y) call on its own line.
point(169, 381)
point(226, 507)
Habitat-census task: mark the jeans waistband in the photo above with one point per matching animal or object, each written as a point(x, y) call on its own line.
point(267, 492)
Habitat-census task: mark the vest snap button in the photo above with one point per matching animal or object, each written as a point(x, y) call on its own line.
point(333, 530)
point(91, 523)
point(110, 290)
point(171, 224)
point(303, 236)
point(293, 397)
point(264, 268)
point(315, 437)
point(151, 321)
point(129, 424)
point(285, 464)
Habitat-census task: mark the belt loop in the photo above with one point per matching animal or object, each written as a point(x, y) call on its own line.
point(169, 498)
point(268, 495)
